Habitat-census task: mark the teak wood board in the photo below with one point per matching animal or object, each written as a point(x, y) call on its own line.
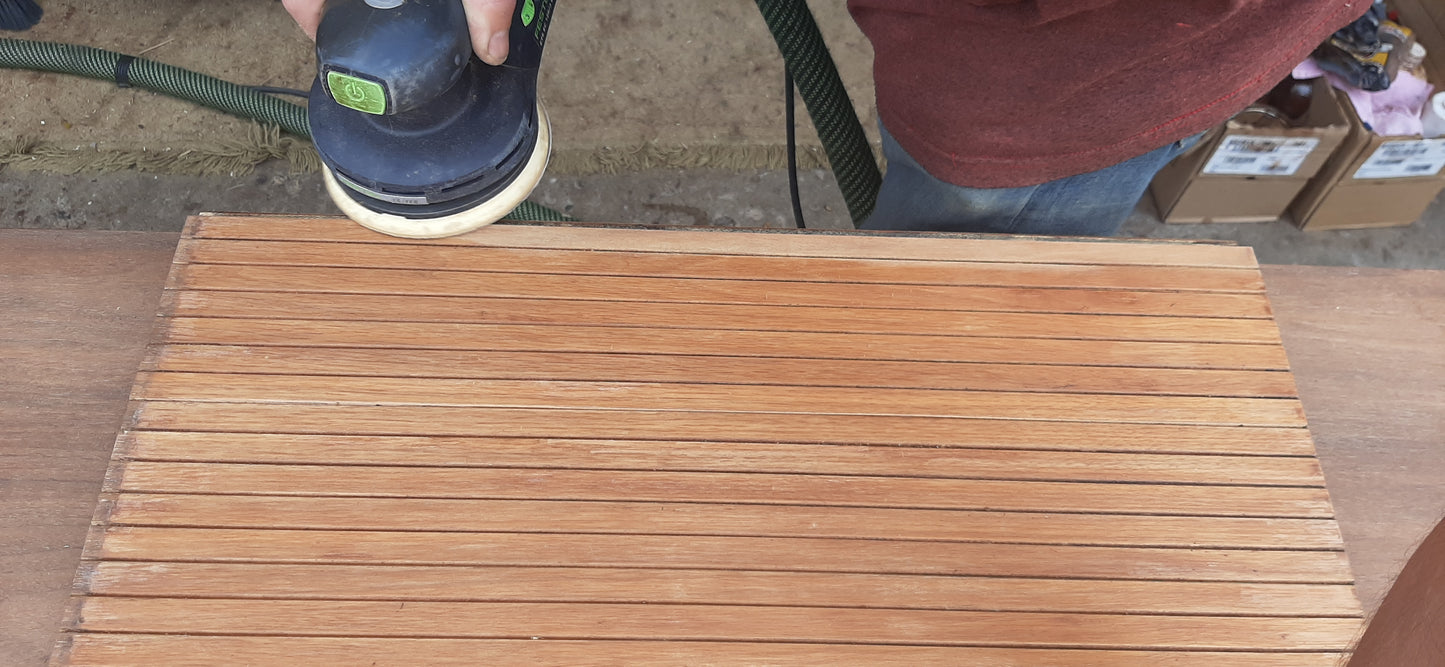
point(575, 445)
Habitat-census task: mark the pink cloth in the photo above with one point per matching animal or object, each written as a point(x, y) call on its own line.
point(1393, 112)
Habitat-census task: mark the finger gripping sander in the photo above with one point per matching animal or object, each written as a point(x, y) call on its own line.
point(420, 138)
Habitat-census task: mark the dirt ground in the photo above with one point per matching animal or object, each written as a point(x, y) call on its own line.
point(667, 75)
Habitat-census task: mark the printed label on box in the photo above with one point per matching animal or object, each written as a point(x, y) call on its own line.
point(1405, 159)
point(1243, 155)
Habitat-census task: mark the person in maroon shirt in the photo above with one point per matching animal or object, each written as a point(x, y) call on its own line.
point(1052, 116)
point(1040, 116)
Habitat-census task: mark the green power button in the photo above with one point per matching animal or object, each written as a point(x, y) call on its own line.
point(356, 93)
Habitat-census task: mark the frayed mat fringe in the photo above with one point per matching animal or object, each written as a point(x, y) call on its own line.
point(266, 143)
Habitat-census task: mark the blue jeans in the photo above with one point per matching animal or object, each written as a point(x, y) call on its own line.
point(1092, 204)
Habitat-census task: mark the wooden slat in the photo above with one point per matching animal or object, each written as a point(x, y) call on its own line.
point(799, 589)
point(426, 282)
point(706, 552)
point(483, 365)
point(721, 426)
point(149, 650)
point(764, 344)
point(724, 457)
point(719, 397)
point(711, 622)
point(595, 262)
point(532, 484)
point(752, 242)
point(653, 518)
point(484, 310)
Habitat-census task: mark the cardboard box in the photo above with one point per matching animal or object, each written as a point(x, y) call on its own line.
point(1375, 181)
point(1243, 173)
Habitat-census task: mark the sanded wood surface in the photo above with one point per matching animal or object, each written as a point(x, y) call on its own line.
point(1369, 348)
point(638, 446)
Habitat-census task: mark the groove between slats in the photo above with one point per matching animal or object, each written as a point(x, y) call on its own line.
point(681, 456)
point(739, 488)
point(594, 262)
point(762, 344)
point(180, 386)
point(422, 311)
point(932, 246)
point(682, 622)
point(723, 553)
point(724, 427)
point(144, 650)
point(615, 367)
point(797, 589)
point(657, 518)
point(862, 297)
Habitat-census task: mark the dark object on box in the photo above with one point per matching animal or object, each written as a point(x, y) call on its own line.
point(1355, 52)
point(1371, 74)
point(1366, 73)
point(1362, 36)
point(1246, 172)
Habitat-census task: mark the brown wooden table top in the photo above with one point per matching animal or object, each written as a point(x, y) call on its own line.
point(808, 522)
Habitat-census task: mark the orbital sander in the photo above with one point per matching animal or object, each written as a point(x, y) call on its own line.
point(420, 138)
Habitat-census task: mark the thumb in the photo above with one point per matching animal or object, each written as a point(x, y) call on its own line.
point(488, 22)
point(307, 14)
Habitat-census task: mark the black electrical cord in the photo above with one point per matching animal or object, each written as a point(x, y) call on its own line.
point(273, 90)
point(849, 155)
point(789, 114)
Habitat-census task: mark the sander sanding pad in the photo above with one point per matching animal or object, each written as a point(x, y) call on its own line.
point(481, 215)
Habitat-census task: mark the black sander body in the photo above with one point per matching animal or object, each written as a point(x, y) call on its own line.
point(420, 138)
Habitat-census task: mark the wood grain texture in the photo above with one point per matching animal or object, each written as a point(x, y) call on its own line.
point(1371, 346)
point(947, 432)
point(149, 650)
point(284, 618)
point(728, 553)
point(599, 262)
point(429, 282)
point(672, 518)
point(732, 343)
point(684, 456)
point(733, 587)
point(721, 446)
point(358, 308)
point(76, 311)
point(615, 367)
point(744, 488)
point(714, 397)
point(963, 248)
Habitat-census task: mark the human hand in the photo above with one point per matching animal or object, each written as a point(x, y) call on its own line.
point(487, 23)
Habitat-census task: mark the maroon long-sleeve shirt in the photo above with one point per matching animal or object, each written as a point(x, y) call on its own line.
point(1007, 93)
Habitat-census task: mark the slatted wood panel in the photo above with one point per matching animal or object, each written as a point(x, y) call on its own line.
point(560, 445)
